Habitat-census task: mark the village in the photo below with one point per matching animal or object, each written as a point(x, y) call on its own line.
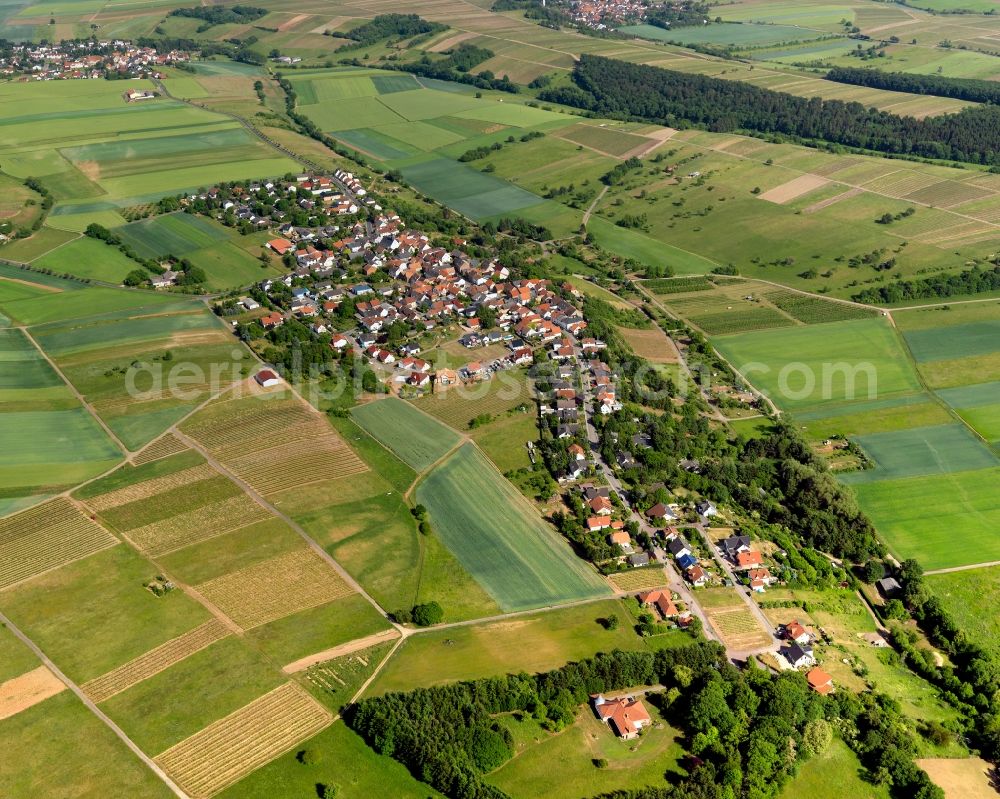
point(86, 59)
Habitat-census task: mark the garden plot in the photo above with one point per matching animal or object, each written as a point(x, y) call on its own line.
point(238, 744)
point(275, 588)
point(162, 448)
point(150, 488)
point(27, 690)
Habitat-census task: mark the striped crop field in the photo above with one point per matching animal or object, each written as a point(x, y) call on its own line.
point(46, 537)
point(242, 742)
point(275, 588)
point(155, 660)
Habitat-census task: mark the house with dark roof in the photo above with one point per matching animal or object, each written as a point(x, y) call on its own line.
point(798, 655)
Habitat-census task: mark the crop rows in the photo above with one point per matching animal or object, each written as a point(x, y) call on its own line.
point(245, 740)
point(249, 422)
point(901, 183)
point(150, 488)
point(738, 628)
point(294, 432)
point(163, 448)
point(296, 463)
point(200, 524)
point(741, 321)
point(950, 234)
point(678, 285)
point(948, 193)
point(815, 310)
point(275, 588)
point(155, 660)
point(45, 537)
point(639, 579)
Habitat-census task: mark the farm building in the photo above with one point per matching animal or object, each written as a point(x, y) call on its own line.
point(661, 600)
point(267, 378)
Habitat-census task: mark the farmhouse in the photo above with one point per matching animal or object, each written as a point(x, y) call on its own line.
point(280, 246)
point(661, 600)
point(626, 716)
point(271, 320)
point(796, 632)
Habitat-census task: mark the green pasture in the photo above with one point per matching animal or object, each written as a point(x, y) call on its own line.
point(530, 643)
point(550, 765)
point(415, 437)
point(979, 405)
point(345, 760)
point(61, 341)
point(943, 520)
point(97, 613)
point(921, 451)
point(834, 774)
point(645, 249)
point(89, 258)
point(40, 242)
point(183, 699)
point(733, 34)
point(79, 750)
point(790, 12)
point(52, 448)
point(955, 341)
point(823, 365)
point(499, 537)
point(229, 266)
point(173, 234)
point(357, 112)
point(22, 366)
point(917, 411)
point(965, 595)
point(376, 143)
point(466, 189)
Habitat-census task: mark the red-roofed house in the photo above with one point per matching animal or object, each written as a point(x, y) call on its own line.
point(626, 716)
point(280, 246)
point(598, 523)
point(697, 575)
point(748, 560)
point(273, 319)
point(661, 601)
point(820, 681)
point(601, 506)
point(796, 632)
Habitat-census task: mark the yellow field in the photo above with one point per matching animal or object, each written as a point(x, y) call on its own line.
point(275, 588)
point(236, 745)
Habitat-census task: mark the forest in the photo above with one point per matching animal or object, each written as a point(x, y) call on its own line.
point(383, 26)
point(976, 91)
point(220, 15)
point(610, 88)
point(746, 731)
point(972, 281)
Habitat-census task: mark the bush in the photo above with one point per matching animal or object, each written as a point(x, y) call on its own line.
point(427, 614)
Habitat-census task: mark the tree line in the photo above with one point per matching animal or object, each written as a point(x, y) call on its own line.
point(976, 91)
point(972, 281)
point(620, 90)
point(220, 15)
point(747, 731)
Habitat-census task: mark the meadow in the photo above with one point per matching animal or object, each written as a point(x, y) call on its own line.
point(943, 520)
point(915, 451)
point(965, 594)
point(829, 365)
point(528, 643)
point(499, 537)
point(835, 773)
point(555, 765)
point(415, 437)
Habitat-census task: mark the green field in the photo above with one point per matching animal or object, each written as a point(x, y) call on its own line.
point(954, 341)
point(89, 258)
point(174, 234)
point(823, 365)
point(499, 538)
point(558, 765)
point(530, 643)
point(83, 757)
point(835, 774)
point(965, 594)
point(921, 451)
point(732, 34)
point(646, 249)
point(942, 520)
point(415, 437)
point(97, 613)
point(345, 762)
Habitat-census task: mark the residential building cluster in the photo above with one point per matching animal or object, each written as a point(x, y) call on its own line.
point(86, 59)
point(607, 14)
